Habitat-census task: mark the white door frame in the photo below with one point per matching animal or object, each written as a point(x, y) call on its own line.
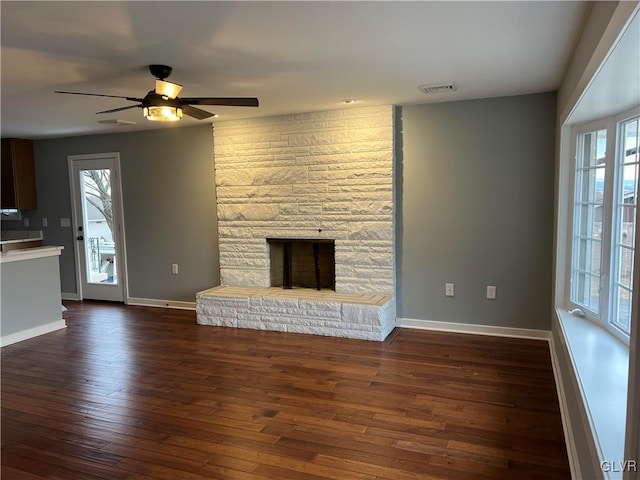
point(118, 219)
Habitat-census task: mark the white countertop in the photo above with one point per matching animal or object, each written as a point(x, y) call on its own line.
point(20, 240)
point(29, 254)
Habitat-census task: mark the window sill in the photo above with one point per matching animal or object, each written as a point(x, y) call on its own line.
point(601, 364)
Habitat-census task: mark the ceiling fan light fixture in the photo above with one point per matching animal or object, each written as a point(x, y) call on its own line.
point(162, 113)
point(167, 89)
point(163, 104)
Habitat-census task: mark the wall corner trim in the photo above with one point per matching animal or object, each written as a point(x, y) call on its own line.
point(32, 332)
point(154, 302)
point(70, 296)
point(473, 329)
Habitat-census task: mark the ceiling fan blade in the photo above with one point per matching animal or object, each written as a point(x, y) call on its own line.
point(167, 89)
point(131, 99)
point(119, 109)
point(196, 112)
point(225, 101)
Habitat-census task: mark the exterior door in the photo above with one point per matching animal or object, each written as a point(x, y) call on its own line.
point(98, 226)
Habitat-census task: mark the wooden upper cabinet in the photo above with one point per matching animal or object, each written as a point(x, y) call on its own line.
point(18, 174)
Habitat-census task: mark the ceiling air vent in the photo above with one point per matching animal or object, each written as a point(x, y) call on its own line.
point(439, 88)
point(117, 121)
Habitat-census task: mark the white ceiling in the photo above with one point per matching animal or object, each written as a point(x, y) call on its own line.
point(293, 56)
point(616, 86)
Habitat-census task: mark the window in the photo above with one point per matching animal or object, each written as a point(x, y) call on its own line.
point(626, 202)
point(588, 216)
point(604, 214)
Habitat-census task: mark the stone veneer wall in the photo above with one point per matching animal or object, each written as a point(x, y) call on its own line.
point(312, 175)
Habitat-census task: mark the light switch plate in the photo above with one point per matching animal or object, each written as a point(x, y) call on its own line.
point(65, 222)
point(491, 292)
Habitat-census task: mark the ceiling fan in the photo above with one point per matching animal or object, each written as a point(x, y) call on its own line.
point(163, 104)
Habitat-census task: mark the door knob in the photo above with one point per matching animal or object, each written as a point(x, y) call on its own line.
point(79, 237)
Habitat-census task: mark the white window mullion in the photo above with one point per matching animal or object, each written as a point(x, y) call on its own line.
point(626, 201)
point(608, 224)
point(588, 215)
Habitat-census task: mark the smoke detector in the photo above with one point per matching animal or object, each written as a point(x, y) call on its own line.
point(438, 88)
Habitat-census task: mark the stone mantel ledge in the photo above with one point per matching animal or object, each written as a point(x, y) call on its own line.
point(30, 253)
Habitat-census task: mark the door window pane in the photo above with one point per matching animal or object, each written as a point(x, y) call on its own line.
point(98, 227)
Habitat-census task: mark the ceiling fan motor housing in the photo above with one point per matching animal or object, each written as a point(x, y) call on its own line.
point(155, 100)
point(160, 71)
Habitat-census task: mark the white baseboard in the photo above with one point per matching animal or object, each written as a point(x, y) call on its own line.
point(70, 296)
point(32, 332)
point(572, 454)
point(474, 329)
point(152, 302)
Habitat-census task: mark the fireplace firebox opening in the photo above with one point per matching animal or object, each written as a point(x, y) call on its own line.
point(302, 263)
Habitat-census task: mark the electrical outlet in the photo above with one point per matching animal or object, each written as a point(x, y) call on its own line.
point(449, 289)
point(26, 222)
point(45, 222)
point(491, 292)
point(174, 268)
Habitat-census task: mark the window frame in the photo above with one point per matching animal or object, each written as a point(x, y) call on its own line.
point(618, 218)
point(614, 144)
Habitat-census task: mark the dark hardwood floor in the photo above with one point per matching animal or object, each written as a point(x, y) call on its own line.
point(146, 393)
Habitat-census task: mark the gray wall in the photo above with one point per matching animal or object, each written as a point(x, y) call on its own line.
point(476, 189)
point(169, 207)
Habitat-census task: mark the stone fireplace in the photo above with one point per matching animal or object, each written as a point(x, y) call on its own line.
point(323, 179)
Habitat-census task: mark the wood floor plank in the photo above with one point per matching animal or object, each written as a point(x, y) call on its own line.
point(11, 472)
point(137, 393)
